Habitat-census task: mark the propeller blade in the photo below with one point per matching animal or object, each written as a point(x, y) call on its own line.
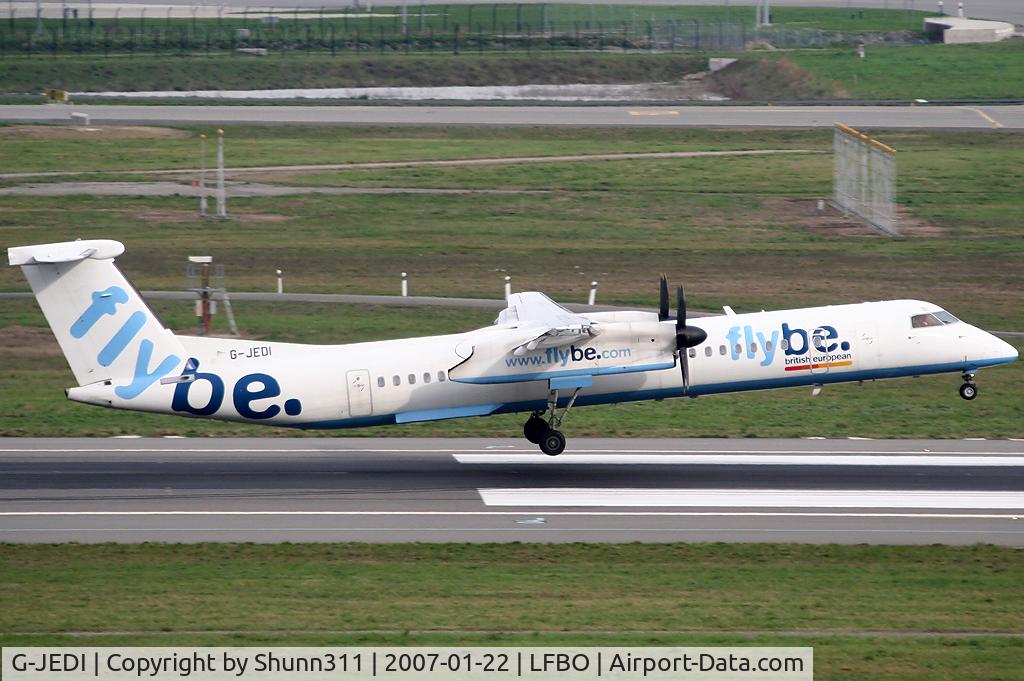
point(680, 307)
point(684, 365)
point(663, 299)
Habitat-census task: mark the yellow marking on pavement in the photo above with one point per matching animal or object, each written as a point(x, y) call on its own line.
point(994, 122)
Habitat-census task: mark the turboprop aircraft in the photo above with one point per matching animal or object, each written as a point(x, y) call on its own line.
point(537, 357)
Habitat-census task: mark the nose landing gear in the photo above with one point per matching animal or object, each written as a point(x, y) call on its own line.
point(545, 433)
point(968, 390)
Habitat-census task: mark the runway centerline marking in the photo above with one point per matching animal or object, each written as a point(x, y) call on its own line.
point(752, 498)
point(767, 459)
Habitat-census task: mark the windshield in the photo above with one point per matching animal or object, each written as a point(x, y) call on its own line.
point(939, 318)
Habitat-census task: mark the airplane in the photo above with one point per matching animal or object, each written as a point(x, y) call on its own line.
point(537, 358)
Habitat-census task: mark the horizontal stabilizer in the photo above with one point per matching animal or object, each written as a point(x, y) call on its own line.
point(66, 251)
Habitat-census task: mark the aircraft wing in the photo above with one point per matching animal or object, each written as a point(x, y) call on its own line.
point(542, 323)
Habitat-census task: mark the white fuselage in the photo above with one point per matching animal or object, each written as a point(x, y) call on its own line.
point(403, 381)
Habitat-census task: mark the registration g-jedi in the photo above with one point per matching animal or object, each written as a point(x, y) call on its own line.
point(537, 358)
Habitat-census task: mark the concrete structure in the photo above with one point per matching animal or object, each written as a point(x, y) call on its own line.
point(957, 30)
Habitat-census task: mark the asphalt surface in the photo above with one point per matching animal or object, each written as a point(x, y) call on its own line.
point(398, 490)
point(1010, 117)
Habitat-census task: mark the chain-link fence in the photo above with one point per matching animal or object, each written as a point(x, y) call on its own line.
point(864, 178)
point(407, 29)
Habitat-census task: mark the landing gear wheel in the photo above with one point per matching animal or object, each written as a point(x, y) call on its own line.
point(552, 443)
point(535, 428)
point(968, 391)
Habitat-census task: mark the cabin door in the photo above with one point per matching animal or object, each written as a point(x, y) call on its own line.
point(360, 400)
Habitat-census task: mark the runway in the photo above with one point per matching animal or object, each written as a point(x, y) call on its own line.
point(491, 490)
point(1010, 117)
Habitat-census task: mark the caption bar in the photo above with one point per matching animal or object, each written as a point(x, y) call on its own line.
point(404, 664)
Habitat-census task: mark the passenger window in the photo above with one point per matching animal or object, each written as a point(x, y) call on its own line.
point(767, 346)
point(721, 349)
point(693, 352)
point(396, 380)
point(921, 321)
point(440, 377)
point(784, 344)
point(380, 381)
point(738, 349)
point(707, 351)
point(412, 379)
point(753, 348)
point(426, 377)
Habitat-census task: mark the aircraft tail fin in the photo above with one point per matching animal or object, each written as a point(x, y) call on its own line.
point(103, 326)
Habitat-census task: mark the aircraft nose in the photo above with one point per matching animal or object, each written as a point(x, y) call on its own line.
point(1003, 350)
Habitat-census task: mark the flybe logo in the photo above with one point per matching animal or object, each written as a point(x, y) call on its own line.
point(795, 343)
point(105, 303)
point(560, 357)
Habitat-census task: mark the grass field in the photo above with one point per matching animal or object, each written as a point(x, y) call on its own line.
point(822, 596)
point(932, 72)
point(739, 231)
point(889, 72)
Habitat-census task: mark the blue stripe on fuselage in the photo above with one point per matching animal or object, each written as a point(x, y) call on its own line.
point(707, 389)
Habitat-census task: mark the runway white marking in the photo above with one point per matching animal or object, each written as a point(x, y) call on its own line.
point(752, 498)
point(767, 459)
point(671, 514)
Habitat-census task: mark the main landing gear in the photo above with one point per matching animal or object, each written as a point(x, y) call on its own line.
point(968, 390)
point(545, 433)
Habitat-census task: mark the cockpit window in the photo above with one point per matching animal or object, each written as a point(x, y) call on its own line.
point(945, 317)
point(920, 321)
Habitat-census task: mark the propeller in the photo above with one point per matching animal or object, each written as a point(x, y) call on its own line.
point(687, 336)
point(663, 302)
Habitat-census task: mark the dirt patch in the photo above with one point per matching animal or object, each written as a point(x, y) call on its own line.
point(180, 216)
point(67, 132)
point(28, 341)
point(832, 222)
point(770, 80)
